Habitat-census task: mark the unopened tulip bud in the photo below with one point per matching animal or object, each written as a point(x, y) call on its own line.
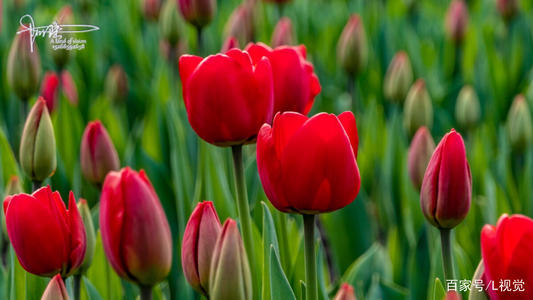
point(23, 65)
point(169, 24)
point(230, 276)
point(352, 48)
point(62, 56)
point(283, 33)
point(467, 108)
point(241, 23)
point(199, 239)
point(229, 44)
point(13, 186)
point(38, 144)
point(519, 125)
point(398, 78)
point(345, 292)
point(447, 186)
point(97, 154)
point(150, 9)
point(86, 217)
point(456, 21)
point(199, 13)
point(452, 295)
point(69, 87)
point(49, 90)
point(507, 8)
point(55, 290)
point(418, 110)
point(420, 151)
point(116, 84)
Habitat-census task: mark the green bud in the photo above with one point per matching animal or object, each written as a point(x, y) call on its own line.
point(418, 110)
point(467, 109)
point(23, 65)
point(116, 84)
point(519, 124)
point(61, 56)
point(85, 213)
point(352, 48)
point(170, 23)
point(38, 144)
point(399, 78)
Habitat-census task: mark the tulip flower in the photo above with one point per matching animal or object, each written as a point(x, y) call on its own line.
point(97, 154)
point(352, 49)
point(69, 87)
point(230, 276)
point(49, 90)
point(38, 145)
point(135, 232)
point(507, 8)
point(506, 253)
point(199, 13)
point(170, 23)
point(23, 65)
point(398, 78)
point(452, 295)
point(283, 34)
point(467, 109)
point(295, 83)
point(345, 292)
point(519, 127)
point(199, 239)
point(227, 108)
point(55, 290)
point(420, 151)
point(90, 234)
point(150, 9)
point(456, 20)
point(116, 86)
point(241, 23)
point(418, 110)
point(62, 56)
point(47, 238)
point(229, 44)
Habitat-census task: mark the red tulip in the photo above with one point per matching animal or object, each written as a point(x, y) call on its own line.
point(447, 185)
point(47, 238)
point(97, 154)
point(55, 290)
point(199, 239)
point(229, 44)
point(506, 252)
point(420, 151)
point(135, 232)
point(240, 24)
point(227, 108)
point(457, 20)
point(49, 90)
point(69, 87)
point(198, 12)
point(345, 292)
point(295, 83)
point(308, 165)
point(452, 295)
point(283, 33)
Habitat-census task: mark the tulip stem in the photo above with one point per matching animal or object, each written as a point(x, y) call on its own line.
point(310, 257)
point(146, 292)
point(243, 208)
point(447, 258)
point(77, 286)
point(35, 185)
point(199, 41)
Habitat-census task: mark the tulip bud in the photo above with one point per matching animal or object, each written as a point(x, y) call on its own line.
point(229, 44)
point(230, 276)
point(418, 110)
point(13, 186)
point(199, 13)
point(507, 8)
point(49, 90)
point(69, 87)
point(456, 21)
point(420, 151)
point(170, 23)
point(150, 9)
point(345, 292)
point(467, 108)
point(398, 78)
point(241, 23)
point(55, 290)
point(23, 65)
point(352, 49)
point(97, 154)
point(86, 217)
point(447, 185)
point(38, 144)
point(452, 295)
point(199, 239)
point(519, 125)
point(283, 33)
point(116, 84)
point(62, 56)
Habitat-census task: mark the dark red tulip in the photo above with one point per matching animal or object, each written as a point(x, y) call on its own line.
point(49, 90)
point(56, 290)
point(452, 295)
point(227, 108)
point(345, 292)
point(283, 34)
point(447, 186)
point(198, 12)
point(69, 87)
point(135, 232)
point(47, 238)
point(457, 20)
point(199, 239)
point(308, 165)
point(98, 155)
point(506, 252)
point(295, 83)
point(151, 9)
point(420, 151)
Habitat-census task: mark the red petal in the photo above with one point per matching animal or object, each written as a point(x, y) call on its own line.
point(347, 120)
point(187, 65)
point(78, 239)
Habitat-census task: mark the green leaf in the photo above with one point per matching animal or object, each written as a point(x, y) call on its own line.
point(91, 293)
point(8, 163)
point(438, 292)
point(279, 285)
point(270, 243)
point(101, 274)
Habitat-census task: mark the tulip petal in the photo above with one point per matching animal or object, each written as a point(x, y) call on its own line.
point(349, 124)
point(78, 238)
point(187, 65)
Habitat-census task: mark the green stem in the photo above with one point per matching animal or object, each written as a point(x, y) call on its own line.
point(146, 292)
point(199, 40)
point(447, 258)
point(77, 286)
point(243, 208)
point(35, 185)
point(310, 257)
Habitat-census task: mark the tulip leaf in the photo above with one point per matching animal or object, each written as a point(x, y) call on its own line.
point(438, 291)
point(102, 275)
point(279, 285)
point(270, 243)
point(90, 291)
point(17, 278)
point(35, 286)
point(8, 163)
